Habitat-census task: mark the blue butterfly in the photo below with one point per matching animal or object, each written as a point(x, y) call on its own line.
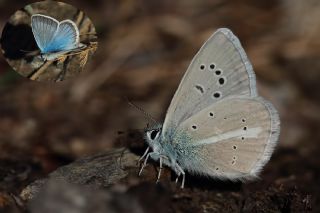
point(54, 38)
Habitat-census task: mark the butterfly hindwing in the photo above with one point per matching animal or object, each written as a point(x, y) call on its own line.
point(232, 138)
point(66, 38)
point(220, 69)
point(44, 29)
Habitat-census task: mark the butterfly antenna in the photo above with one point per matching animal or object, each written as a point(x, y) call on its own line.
point(30, 52)
point(147, 115)
point(26, 51)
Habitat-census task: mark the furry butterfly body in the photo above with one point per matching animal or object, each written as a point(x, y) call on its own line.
point(216, 124)
point(54, 38)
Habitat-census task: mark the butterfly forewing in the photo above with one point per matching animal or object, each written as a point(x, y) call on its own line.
point(219, 70)
point(232, 138)
point(44, 29)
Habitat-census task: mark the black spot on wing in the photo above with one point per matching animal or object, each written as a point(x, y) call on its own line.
point(199, 88)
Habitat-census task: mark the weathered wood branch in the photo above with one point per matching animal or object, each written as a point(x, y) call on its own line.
point(99, 170)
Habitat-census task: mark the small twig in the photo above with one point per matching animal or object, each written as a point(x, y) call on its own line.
point(38, 72)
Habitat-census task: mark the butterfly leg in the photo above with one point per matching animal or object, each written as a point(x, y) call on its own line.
point(180, 171)
point(144, 154)
point(159, 173)
point(163, 160)
point(178, 175)
point(144, 163)
point(153, 155)
point(183, 180)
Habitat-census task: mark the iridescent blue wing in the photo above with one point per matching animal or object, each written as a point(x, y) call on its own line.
point(66, 37)
point(44, 29)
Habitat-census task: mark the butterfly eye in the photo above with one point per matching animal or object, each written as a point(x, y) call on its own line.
point(154, 134)
point(212, 66)
point(202, 66)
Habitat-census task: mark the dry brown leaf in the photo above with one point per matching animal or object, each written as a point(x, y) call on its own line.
point(61, 59)
point(84, 57)
point(93, 47)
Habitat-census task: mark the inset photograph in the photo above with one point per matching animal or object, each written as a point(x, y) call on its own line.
point(49, 41)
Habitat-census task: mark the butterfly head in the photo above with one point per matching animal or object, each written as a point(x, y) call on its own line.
point(153, 136)
point(42, 56)
point(45, 56)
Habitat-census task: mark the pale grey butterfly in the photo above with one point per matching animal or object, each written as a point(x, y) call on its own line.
point(54, 38)
point(216, 125)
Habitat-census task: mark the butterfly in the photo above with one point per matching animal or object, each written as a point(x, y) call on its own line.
point(54, 38)
point(216, 125)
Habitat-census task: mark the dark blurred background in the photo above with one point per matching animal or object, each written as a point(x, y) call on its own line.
point(144, 49)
